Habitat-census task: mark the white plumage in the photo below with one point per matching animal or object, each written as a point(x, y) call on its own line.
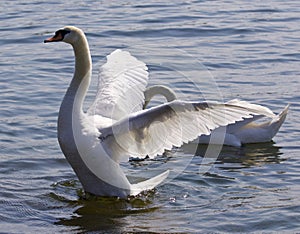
point(122, 78)
point(235, 134)
point(115, 126)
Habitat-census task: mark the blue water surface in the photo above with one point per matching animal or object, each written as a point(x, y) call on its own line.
point(205, 50)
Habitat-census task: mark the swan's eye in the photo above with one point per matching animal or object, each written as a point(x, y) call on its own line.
point(62, 33)
point(65, 31)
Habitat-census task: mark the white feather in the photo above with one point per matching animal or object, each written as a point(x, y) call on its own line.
point(122, 81)
point(150, 132)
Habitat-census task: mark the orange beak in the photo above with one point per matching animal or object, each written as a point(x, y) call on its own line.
point(57, 37)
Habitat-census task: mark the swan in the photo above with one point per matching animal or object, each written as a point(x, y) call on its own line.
point(115, 127)
point(237, 134)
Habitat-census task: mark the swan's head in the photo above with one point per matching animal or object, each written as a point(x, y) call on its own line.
point(68, 34)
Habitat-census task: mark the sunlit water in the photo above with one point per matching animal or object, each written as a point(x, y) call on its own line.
point(213, 50)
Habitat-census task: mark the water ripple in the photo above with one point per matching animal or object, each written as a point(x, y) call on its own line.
point(249, 50)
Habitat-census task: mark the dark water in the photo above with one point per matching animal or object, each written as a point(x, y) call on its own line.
point(204, 50)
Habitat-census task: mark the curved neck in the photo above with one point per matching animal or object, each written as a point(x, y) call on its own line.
point(165, 91)
point(83, 60)
point(81, 80)
point(71, 106)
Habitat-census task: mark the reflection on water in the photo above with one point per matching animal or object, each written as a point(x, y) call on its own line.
point(239, 157)
point(92, 213)
point(251, 155)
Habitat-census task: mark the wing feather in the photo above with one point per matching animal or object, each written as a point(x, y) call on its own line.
point(122, 82)
point(152, 131)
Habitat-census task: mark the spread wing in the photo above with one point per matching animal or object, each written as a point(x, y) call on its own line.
point(122, 81)
point(151, 131)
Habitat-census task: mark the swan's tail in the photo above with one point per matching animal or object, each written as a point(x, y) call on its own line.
point(148, 184)
point(276, 123)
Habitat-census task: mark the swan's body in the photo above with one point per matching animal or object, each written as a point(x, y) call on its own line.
point(242, 132)
point(115, 127)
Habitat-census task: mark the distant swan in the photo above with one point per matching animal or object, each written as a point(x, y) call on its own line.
point(115, 127)
point(242, 132)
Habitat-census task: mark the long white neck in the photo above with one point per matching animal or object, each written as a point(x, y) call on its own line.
point(71, 107)
point(81, 79)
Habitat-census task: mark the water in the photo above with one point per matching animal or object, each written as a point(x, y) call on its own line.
point(226, 49)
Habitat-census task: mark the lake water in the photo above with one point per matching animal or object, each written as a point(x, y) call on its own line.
point(213, 50)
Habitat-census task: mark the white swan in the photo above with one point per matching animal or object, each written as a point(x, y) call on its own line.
point(242, 132)
point(115, 127)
